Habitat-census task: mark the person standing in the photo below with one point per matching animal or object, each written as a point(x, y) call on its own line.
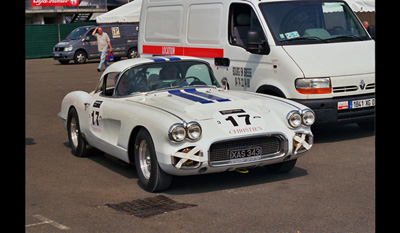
point(103, 41)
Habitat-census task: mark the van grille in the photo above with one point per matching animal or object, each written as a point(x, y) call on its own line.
point(271, 146)
point(352, 88)
point(57, 49)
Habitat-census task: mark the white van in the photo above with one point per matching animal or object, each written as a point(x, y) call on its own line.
point(314, 52)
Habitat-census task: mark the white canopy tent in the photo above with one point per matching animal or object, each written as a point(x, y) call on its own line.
point(127, 13)
point(362, 5)
point(130, 12)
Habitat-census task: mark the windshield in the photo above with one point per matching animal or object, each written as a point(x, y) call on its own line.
point(306, 22)
point(77, 33)
point(164, 75)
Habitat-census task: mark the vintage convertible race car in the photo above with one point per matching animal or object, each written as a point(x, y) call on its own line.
point(170, 117)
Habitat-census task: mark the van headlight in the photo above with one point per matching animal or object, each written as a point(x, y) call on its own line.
point(178, 132)
point(70, 48)
point(313, 85)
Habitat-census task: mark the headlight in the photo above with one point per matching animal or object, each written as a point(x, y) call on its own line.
point(308, 117)
point(177, 132)
point(313, 85)
point(193, 130)
point(70, 48)
point(294, 119)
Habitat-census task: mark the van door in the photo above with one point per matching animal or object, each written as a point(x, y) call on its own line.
point(247, 67)
point(90, 45)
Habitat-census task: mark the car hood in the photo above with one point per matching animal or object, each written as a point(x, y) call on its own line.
point(203, 103)
point(334, 59)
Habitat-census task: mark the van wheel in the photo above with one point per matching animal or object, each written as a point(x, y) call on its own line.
point(133, 53)
point(80, 57)
point(64, 62)
point(151, 176)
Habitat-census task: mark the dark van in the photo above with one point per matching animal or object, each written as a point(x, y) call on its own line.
point(80, 45)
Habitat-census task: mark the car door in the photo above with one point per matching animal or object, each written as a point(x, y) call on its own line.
point(103, 123)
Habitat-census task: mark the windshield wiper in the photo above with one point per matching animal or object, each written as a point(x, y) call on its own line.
point(343, 37)
point(304, 39)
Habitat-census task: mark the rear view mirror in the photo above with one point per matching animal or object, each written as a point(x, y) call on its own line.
point(371, 31)
point(254, 45)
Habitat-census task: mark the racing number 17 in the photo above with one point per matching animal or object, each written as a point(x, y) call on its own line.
point(234, 122)
point(97, 113)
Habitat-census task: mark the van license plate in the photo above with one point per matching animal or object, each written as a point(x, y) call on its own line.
point(362, 103)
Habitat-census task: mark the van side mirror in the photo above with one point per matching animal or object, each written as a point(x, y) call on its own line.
point(254, 45)
point(371, 31)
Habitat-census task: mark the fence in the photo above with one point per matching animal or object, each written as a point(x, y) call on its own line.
point(40, 39)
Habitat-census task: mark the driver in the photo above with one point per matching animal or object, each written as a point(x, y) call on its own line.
point(169, 72)
point(124, 86)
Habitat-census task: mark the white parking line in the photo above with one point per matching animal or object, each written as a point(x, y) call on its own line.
point(47, 221)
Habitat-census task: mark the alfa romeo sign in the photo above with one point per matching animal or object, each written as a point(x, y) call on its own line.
point(54, 3)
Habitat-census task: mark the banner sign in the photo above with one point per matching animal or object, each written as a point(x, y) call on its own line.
point(36, 3)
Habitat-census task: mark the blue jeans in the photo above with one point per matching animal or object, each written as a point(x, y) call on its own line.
point(103, 60)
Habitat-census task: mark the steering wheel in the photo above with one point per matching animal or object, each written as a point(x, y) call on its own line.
point(335, 28)
point(195, 79)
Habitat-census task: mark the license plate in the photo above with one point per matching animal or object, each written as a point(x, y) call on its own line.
point(356, 104)
point(362, 103)
point(245, 152)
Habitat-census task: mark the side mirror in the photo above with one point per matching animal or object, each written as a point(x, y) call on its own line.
point(224, 82)
point(371, 31)
point(254, 45)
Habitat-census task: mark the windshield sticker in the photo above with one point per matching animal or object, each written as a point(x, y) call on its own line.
point(291, 35)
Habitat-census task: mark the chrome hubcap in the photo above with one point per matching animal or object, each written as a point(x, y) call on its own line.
point(74, 132)
point(144, 159)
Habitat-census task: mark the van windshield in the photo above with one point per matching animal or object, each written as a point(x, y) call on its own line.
point(307, 22)
point(77, 33)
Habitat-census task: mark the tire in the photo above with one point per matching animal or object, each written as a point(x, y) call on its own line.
point(64, 62)
point(133, 53)
point(80, 57)
point(76, 141)
point(282, 167)
point(151, 177)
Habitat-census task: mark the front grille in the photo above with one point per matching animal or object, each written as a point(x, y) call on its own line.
point(352, 88)
point(271, 146)
point(57, 49)
point(344, 89)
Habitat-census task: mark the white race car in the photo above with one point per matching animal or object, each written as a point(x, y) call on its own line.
point(169, 116)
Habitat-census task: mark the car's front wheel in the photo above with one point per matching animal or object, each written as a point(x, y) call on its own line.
point(151, 176)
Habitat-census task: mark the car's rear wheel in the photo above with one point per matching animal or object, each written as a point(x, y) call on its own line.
point(76, 141)
point(151, 176)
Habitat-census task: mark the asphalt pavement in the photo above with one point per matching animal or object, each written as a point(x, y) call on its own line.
point(331, 189)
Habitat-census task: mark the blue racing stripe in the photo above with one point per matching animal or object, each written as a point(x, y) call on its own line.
point(156, 59)
point(205, 95)
point(190, 97)
point(173, 58)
